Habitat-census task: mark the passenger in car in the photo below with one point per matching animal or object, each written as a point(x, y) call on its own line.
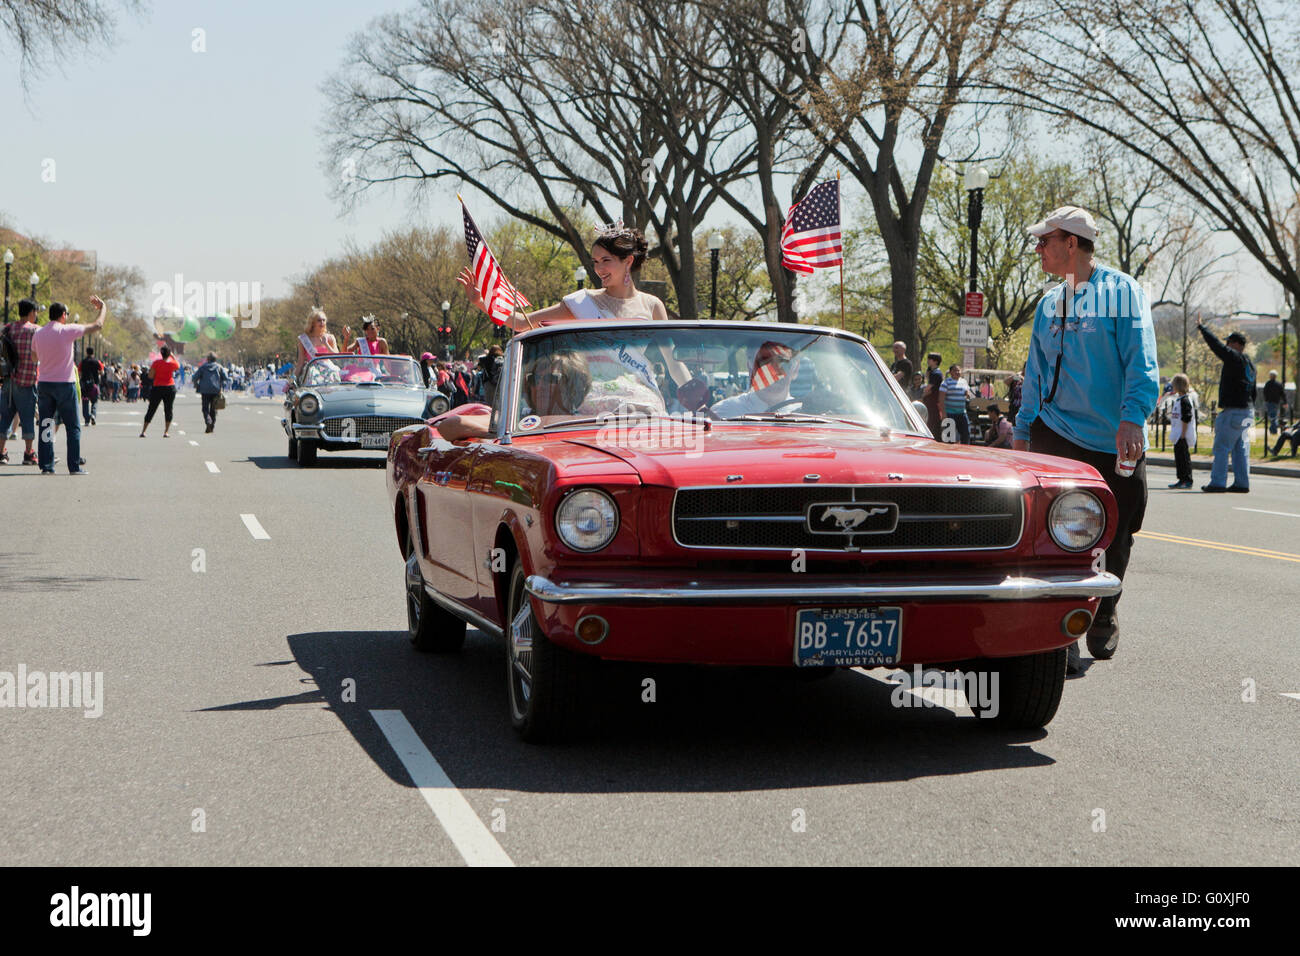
point(771, 375)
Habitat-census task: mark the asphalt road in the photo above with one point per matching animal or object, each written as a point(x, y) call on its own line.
point(230, 734)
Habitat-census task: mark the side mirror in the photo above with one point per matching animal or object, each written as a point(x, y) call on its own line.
point(921, 410)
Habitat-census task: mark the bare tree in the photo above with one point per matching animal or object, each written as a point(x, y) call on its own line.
point(1188, 262)
point(39, 27)
point(879, 85)
point(1204, 91)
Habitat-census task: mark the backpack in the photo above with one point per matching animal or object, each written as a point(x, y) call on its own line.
point(8, 354)
point(460, 389)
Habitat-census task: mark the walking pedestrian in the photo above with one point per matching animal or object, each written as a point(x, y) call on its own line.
point(1236, 412)
point(208, 381)
point(133, 385)
point(163, 390)
point(19, 395)
point(1091, 382)
point(91, 370)
point(1273, 398)
point(1182, 430)
point(56, 383)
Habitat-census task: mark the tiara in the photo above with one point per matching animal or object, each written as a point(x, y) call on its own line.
point(613, 230)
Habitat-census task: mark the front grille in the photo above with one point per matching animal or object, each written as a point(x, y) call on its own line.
point(930, 518)
point(366, 425)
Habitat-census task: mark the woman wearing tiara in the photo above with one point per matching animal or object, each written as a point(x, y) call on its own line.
point(622, 376)
point(315, 340)
point(615, 255)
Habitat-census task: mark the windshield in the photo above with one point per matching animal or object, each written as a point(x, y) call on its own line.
point(358, 369)
point(723, 374)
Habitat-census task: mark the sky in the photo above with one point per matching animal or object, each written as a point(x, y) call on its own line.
point(209, 164)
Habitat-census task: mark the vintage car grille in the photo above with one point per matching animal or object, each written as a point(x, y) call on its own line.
point(930, 518)
point(367, 424)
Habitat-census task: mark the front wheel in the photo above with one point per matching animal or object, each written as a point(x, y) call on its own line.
point(306, 452)
point(1020, 693)
point(293, 447)
point(548, 685)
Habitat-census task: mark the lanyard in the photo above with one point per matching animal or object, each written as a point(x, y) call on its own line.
point(1056, 374)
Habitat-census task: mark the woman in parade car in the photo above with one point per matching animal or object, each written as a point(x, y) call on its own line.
point(315, 339)
point(370, 342)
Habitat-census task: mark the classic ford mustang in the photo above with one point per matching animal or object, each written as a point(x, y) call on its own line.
point(354, 401)
point(738, 494)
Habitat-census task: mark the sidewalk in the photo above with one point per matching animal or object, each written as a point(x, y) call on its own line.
point(1284, 466)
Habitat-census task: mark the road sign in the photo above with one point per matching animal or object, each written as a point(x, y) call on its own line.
point(974, 305)
point(968, 358)
point(973, 333)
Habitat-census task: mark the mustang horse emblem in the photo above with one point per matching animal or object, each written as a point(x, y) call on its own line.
point(846, 519)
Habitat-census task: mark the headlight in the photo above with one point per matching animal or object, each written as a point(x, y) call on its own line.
point(587, 520)
point(1076, 520)
point(309, 404)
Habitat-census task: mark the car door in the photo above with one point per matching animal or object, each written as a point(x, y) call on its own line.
point(445, 518)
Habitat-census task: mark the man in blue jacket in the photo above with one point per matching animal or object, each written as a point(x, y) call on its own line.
point(1091, 382)
point(209, 380)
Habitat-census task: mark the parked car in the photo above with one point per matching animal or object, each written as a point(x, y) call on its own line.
point(345, 402)
point(601, 520)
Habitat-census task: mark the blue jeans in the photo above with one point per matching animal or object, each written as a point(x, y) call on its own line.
point(21, 401)
point(1230, 429)
point(60, 397)
point(1272, 415)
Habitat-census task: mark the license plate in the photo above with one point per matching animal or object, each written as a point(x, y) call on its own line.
point(374, 441)
point(848, 637)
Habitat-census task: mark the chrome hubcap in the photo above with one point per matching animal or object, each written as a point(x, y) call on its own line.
point(414, 587)
point(521, 657)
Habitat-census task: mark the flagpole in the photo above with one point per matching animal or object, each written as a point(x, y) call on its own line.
point(506, 323)
point(839, 198)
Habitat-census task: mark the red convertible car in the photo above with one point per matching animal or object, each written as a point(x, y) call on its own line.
point(725, 493)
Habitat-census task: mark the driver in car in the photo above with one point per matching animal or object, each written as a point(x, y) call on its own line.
point(773, 371)
point(554, 384)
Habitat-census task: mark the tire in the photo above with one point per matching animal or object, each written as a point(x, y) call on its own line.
point(1028, 690)
point(548, 686)
point(293, 447)
point(306, 452)
point(432, 628)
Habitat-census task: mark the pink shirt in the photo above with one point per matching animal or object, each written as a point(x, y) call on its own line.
point(52, 344)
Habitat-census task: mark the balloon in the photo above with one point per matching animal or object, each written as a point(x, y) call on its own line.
point(219, 326)
point(189, 330)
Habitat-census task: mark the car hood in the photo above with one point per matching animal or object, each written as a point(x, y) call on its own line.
point(689, 456)
point(366, 399)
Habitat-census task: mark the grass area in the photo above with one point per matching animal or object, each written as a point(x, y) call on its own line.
point(1205, 444)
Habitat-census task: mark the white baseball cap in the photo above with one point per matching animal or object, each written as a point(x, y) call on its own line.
point(1070, 219)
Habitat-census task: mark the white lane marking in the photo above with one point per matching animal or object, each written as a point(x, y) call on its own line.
point(182, 433)
point(255, 527)
point(474, 841)
point(949, 698)
point(194, 443)
point(1261, 511)
point(212, 467)
point(259, 411)
point(1292, 696)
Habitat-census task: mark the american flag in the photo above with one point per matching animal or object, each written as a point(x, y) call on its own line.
point(811, 238)
point(500, 298)
point(767, 374)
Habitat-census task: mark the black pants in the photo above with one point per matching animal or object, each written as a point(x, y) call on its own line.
point(209, 410)
point(166, 394)
point(1182, 460)
point(1130, 498)
point(1294, 439)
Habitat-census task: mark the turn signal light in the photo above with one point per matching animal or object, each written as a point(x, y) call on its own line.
point(592, 629)
point(1076, 623)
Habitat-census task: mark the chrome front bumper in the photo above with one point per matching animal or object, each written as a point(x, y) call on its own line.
point(1002, 588)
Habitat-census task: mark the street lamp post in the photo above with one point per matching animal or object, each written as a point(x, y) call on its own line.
point(9, 261)
point(715, 247)
point(976, 178)
point(34, 279)
point(580, 276)
point(445, 331)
